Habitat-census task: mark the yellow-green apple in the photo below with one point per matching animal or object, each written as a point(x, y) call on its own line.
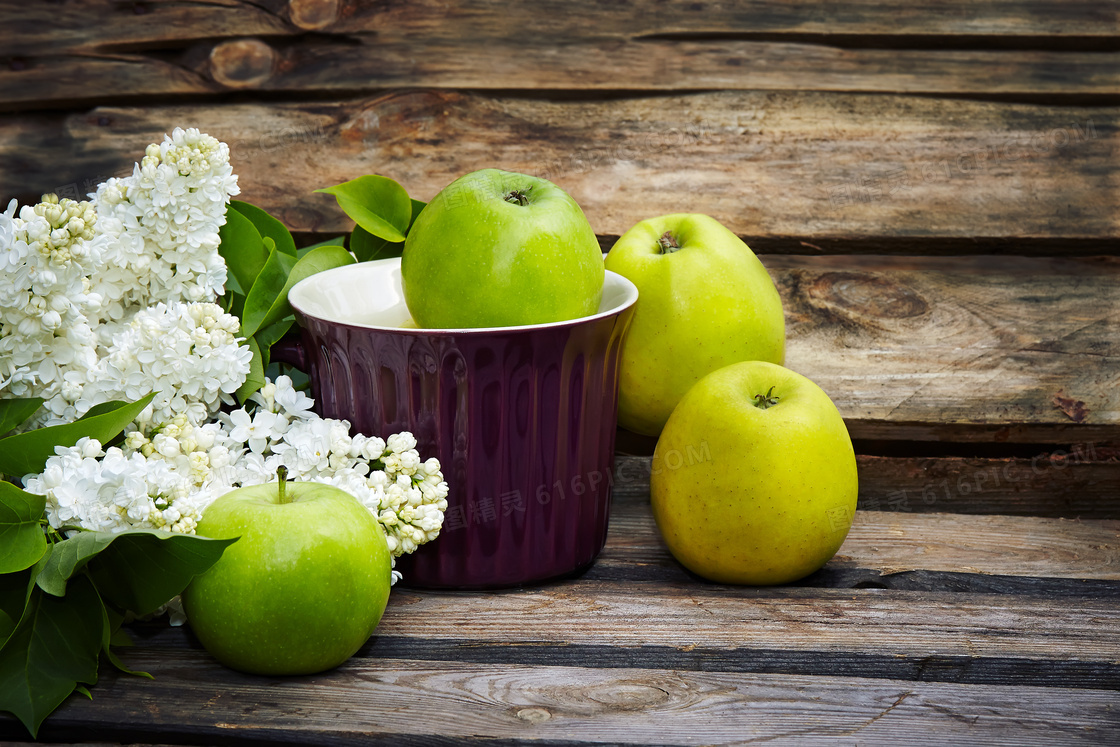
point(754, 476)
point(704, 302)
point(500, 249)
point(303, 588)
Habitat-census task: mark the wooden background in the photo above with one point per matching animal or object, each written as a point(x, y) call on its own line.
point(934, 186)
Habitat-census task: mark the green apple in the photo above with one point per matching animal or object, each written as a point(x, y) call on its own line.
point(754, 477)
point(704, 302)
point(301, 590)
point(501, 249)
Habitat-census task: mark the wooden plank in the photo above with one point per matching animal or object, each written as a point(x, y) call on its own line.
point(318, 65)
point(959, 349)
point(95, 24)
point(407, 702)
point(966, 349)
point(1044, 485)
point(863, 621)
point(776, 165)
point(1076, 483)
point(1036, 560)
point(893, 542)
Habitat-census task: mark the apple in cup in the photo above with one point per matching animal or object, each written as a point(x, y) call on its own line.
point(500, 249)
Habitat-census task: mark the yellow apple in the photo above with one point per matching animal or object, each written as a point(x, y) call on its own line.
point(754, 477)
point(704, 302)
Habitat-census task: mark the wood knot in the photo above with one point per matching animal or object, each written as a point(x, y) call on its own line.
point(628, 696)
point(243, 63)
point(313, 15)
point(866, 296)
point(534, 715)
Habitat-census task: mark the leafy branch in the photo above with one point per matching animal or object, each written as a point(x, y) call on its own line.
point(62, 601)
point(264, 264)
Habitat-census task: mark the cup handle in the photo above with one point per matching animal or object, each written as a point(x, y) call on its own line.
point(289, 349)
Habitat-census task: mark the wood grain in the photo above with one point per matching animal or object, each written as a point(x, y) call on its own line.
point(408, 702)
point(1044, 485)
point(63, 79)
point(817, 166)
point(893, 542)
point(916, 349)
point(65, 54)
point(865, 621)
point(93, 24)
point(1076, 483)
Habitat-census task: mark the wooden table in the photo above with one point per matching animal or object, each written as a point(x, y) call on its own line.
point(977, 629)
point(934, 188)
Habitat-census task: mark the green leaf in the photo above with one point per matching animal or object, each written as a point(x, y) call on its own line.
point(137, 570)
point(15, 590)
point(367, 247)
point(268, 226)
point(336, 241)
point(241, 248)
point(231, 287)
point(26, 453)
point(15, 412)
point(111, 636)
point(54, 647)
point(265, 291)
point(376, 203)
point(270, 335)
point(323, 258)
point(121, 639)
point(164, 561)
point(7, 625)
point(235, 304)
point(255, 379)
point(22, 541)
point(417, 208)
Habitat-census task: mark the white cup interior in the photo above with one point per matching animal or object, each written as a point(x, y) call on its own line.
point(368, 294)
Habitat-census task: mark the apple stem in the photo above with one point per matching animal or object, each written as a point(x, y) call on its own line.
point(765, 401)
point(519, 196)
point(282, 482)
point(668, 243)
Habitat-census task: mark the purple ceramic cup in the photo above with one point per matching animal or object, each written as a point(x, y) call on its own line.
point(522, 419)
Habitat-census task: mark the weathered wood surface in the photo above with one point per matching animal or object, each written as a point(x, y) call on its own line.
point(784, 169)
point(666, 658)
point(895, 542)
point(979, 605)
point(1047, 484)
point(959, 349)
point(397, 701)
point(349, 62)
point(93, 24)
point(1081, 483)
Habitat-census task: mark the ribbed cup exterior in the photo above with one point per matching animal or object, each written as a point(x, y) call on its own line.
point(522, 421)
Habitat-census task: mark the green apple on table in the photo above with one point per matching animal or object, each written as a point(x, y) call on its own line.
point(301, 590)
point(498, 249)
point(754, 476)
point(704, 301)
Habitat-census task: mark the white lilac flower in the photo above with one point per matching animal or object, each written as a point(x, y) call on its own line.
point(47, 309)
point(399, 443)
point(187, 353)
point(166, 477)
point(160, 225)
point(291, 401)
point(255, 430)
